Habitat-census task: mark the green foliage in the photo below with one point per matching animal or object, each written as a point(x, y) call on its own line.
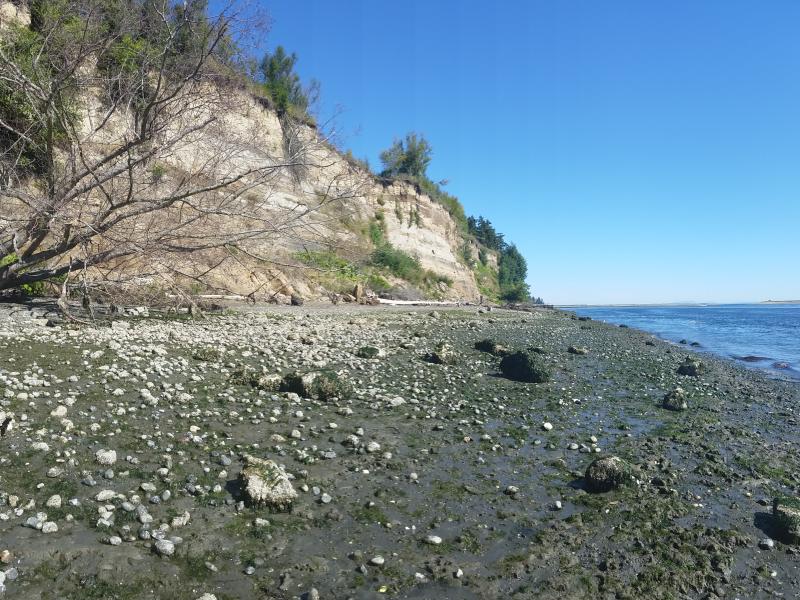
point(405, 266)
point(377, 229)
point(281, 82)
point(482, 256)
point(414, 218)
point(378, 283)
point(399, 263)
point(128, 53)
point(158, 172)
point(410, 156)
point(361, 163)
point(328, 261)
point(35, 289)
point(451, 204)
point(466, 252)
point(191, 24)
point(340, 274)
point(513, 270)
point(8, 259)
point(485, 233)
point(24, 48)
point(517, 292)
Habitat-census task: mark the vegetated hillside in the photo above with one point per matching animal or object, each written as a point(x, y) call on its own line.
point(288, 212)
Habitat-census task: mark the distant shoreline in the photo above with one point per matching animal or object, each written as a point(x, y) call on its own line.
point(677, 304)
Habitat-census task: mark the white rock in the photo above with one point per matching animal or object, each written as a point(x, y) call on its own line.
point(105, 495)
point(265, 482)
point(49, 527)
point(434, 540)
point(165, 548)
point(106, 457)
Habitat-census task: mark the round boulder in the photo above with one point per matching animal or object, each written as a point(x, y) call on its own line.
point(264, 482)
point(690, 367)
point(524, 366)
point(675, 400)
point(443, 354)
point(607, 473)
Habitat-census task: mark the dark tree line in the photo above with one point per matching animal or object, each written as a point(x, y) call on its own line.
point(485, 233)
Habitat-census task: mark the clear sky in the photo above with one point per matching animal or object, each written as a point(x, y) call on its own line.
point(634, 151)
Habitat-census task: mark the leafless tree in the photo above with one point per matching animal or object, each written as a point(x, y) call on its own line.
point(123, 147)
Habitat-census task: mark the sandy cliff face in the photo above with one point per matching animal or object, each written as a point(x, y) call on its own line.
point(319, 202)
point(413, 222)
point(14, 14)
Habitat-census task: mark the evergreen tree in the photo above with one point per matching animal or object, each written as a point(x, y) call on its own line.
point(281, 82)
point(410, 156)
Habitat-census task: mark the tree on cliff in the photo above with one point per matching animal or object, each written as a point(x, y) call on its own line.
point(485, 233)
point(116, 144)
point(410, 156)
point(281, 82)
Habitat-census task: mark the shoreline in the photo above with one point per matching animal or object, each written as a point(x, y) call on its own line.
point(764, 364)
point(463, 483)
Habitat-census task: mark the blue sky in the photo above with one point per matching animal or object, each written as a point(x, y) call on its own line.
point(634, 151)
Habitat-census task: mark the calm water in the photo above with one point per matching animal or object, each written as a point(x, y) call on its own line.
point(768, 331)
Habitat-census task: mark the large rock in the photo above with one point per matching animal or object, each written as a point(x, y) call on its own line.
point(524, 366)
point(607, 473)
point(369, 352)
point(675, 400)
point(578, 350)
point(492, 347)
point(265, 483)
point(322, 385)
point(690, 367)
point(786, 515)
point(6, 422)
point(443, 354)
point(105, 457)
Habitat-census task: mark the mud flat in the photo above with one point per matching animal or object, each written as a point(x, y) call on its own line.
point(185, 459)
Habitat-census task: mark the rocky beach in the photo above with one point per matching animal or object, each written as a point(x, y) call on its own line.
point(363, 452)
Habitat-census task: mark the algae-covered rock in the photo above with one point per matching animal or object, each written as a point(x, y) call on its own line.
point(491, 347)
point(368, 352)
point(607, 473)
point(6, 422)
point(691, 367)
point(247, 375)
point(578, 350)
point(786, 515)
point(269, 383)
point(443, 354)
point(524, 366)
point(322, 385)
point(206, 354)
point(675, 400)
point(265, 483)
